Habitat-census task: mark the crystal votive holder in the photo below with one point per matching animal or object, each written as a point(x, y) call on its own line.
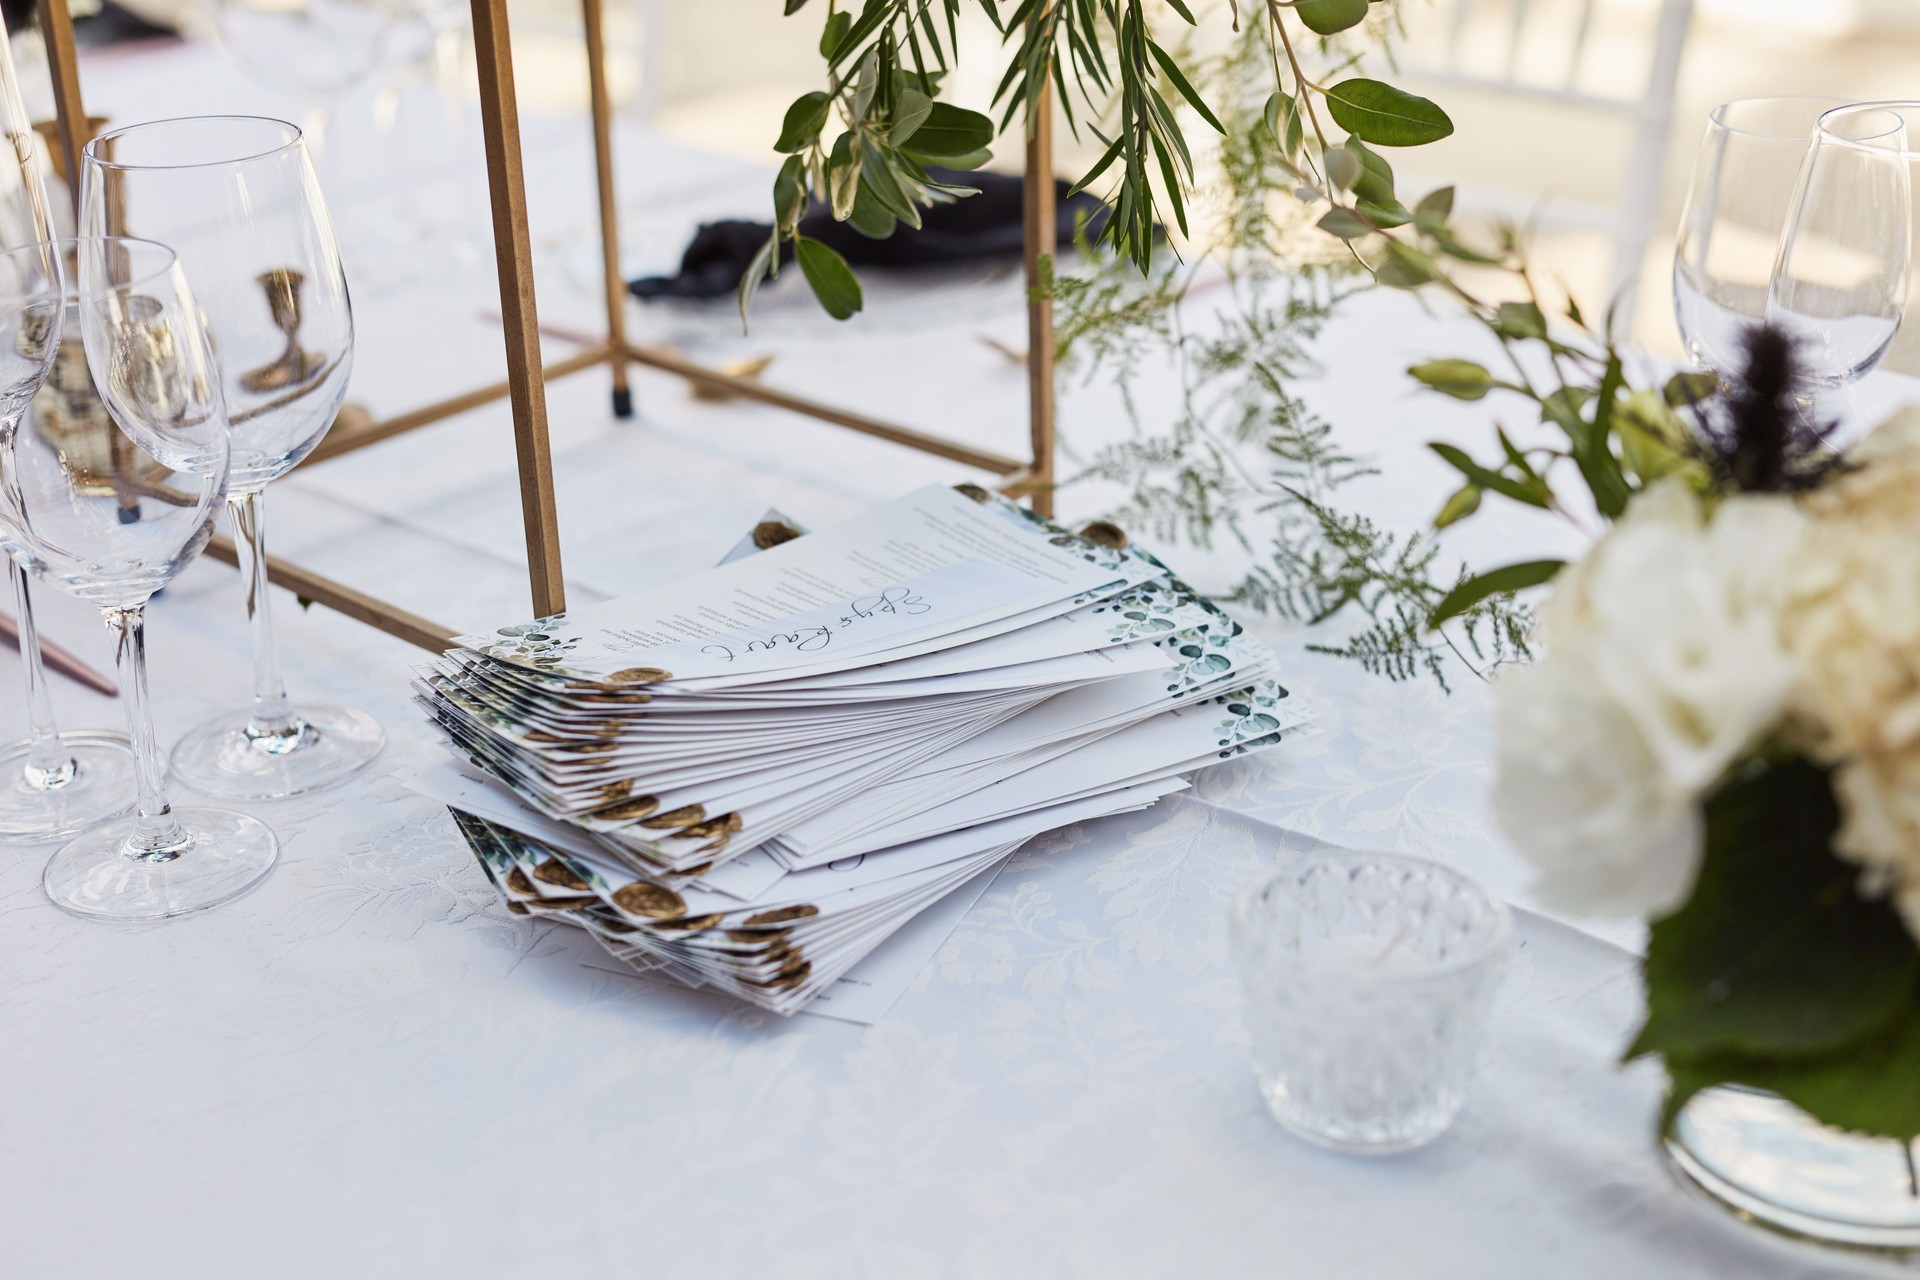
point(1369, 978)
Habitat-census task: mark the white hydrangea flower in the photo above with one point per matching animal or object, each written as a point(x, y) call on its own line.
point(1665, 664)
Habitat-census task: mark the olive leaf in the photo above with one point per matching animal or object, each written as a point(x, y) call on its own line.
point(1385, 116)
point(828, 274)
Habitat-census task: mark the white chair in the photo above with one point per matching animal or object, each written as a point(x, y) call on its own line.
point(1480, 49)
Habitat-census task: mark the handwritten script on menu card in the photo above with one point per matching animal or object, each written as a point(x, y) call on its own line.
point(836, 590)
point(902, 601)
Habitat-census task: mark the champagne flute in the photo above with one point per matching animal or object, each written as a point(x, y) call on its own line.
point(114, 528)
point(52, 784)
point(236, 198)
point(1839, 282)
point(1738, 194)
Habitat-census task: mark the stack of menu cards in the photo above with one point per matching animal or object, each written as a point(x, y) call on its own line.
point(752, 778)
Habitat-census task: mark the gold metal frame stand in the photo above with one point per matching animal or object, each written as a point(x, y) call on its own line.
point(525, 384)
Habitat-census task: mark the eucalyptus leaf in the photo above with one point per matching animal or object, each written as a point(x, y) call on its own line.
point(1406, 267)
point(1330, 17)
point(1431, 213)
point(1501, 581)
point(1343, 168)
point(1346, 224)
point(1374, 182)
point(1385, 116)
point(869, 217)
point(828, 274)
point(1385, 216)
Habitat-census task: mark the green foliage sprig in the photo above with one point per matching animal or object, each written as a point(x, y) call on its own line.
point(1111, 74)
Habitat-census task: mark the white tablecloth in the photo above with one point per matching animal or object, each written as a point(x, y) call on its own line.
point(367, 1068)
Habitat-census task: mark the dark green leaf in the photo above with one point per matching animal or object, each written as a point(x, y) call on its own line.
point(1494, 582)
point(1184, 86)
point(1374, 182)
point(869, 217)
point(950, 132)
point(1346, 224)
point(1691, 388)
point(1461, 379)
point(843, 176)
point(793, 7)
point(1386, 116)
point(1593, 447)
point(834, 32)
point(831, 279)
point(1776, 953)
point(1868, 1087)
point(805, 118)
point(908, 115)
point(1532, 491)
point(790, 192)
point(1328, 17)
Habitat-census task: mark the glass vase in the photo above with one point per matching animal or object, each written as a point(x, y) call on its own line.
point(1766, 1161)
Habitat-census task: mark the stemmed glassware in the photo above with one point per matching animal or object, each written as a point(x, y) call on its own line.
point(52, 784)
point(235, 197)
point(1840, 281)
point(112, 528)
point(1738, 197)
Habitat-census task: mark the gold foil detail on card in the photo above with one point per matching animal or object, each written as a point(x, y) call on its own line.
point(553, 871)
point(677, 817)
point(650, 900)
point(638, 807)
point(771, 533)
point(639, 675)
point(1106, 534)
point(781, 915)
point(517, 882)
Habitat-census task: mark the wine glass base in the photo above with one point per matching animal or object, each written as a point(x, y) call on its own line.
point(334, 743)
point(102, 787)
point(96, 874)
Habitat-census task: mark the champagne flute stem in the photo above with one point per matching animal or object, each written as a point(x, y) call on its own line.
point(157, 835)
point(272, 721)
point(48, 763)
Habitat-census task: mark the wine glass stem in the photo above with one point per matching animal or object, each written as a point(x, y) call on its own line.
point(157, 835)
point(48, 763)
point(272, 716)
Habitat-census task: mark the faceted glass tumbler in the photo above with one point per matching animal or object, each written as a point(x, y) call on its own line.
point(1369, 978)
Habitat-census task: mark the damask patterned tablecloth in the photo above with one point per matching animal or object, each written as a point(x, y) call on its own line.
point(366, 1068)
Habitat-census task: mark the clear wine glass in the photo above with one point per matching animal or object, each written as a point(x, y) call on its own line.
point(1738, 195)
point(52, 784)
point(1839, 283)
point(112, 528)
point(236, 198)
